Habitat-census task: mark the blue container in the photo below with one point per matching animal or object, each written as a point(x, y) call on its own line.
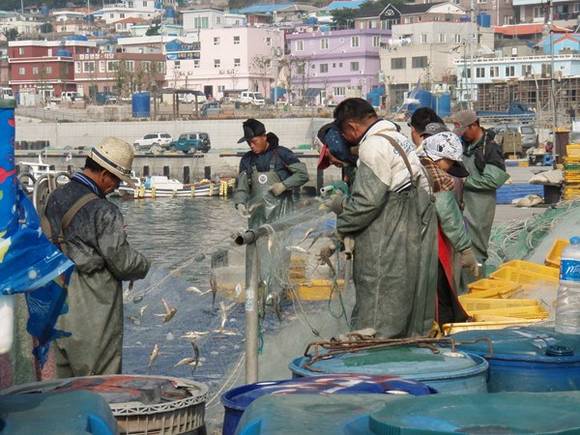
point(425, 98)
point(443, 105)
point(309, 414)
point(502, 413)
point(238, 399)
point(62, 52)
point(78, 412)
point(508, 192)
point(8, 179)
point(446, 372)
point(141, 105)
point(534, 359)
point(170, 12)
point(483, 20)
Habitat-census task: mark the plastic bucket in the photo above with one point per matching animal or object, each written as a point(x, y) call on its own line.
point(236, 401)
point(447, 372)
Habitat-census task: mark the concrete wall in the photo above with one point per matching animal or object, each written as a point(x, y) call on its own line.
point(224, 134)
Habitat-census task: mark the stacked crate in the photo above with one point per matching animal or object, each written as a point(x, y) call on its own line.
point(572, 172)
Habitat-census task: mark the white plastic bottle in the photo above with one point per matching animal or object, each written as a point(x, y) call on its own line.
point(568, 302)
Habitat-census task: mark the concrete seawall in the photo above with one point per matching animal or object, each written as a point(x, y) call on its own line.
point(224, 134)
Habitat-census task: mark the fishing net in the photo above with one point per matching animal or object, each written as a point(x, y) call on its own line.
point(520, 239)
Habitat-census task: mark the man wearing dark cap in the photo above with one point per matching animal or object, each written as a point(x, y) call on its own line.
point(336, 151)
point(483, 159)
point(268, 173)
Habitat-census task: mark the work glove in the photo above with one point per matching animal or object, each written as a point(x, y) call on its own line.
point(469, 262)
point(242, 210)
point(334, 203)
point(278, 189)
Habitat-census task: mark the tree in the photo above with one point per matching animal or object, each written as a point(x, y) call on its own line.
point(153, 30)
point(263, 65)
point(11, 34)
point(46, 28)
point(344, 18)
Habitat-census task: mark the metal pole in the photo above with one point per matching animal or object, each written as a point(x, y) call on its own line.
point(552, 83)
point(472, 38)
point(252, 315)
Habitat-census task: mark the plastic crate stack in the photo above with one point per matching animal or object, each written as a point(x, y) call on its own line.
point(572, 172)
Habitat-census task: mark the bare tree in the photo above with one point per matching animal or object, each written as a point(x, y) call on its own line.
point(263, 66)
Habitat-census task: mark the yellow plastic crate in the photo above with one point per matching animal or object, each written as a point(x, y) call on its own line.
point(555, 255)
point(573, 150)
point(454, 328)
point(493, 288)
point(529, 312)
point(476, 304)
point(528, 266)
point(317, 289)
point(524, 277)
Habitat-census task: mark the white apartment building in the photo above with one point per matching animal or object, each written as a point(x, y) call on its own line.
point(228, 59)
point(24, 24)
point(117, 13)
point(210, 18)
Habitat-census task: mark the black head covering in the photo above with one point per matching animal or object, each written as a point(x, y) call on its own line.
point(252, 128)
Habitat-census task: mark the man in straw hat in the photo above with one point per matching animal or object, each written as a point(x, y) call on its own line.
point(90, 231)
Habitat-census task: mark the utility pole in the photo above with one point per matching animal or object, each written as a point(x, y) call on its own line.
point(22, 6)
point(552, 82)
point(472, 38)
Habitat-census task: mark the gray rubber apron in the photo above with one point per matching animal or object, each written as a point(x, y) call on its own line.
point(395, 285)
point(266, 208)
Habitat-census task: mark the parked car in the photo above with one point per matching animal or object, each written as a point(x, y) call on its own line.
point(191, 142)
point(190, 98)
point(152, 139)
point(529, 136)
point(210, 108)
point(249, 97)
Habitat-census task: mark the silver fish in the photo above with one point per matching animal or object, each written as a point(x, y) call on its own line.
point(142, 310)
point(189, 361)
point(137, 299)
point(194, 335)
point(298, 249)
point(153, 356)
point(307, 234)
point(193, 289)
point(169, 311)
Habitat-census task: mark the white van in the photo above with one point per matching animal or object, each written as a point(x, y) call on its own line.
point(6, 94)
point(249, 97)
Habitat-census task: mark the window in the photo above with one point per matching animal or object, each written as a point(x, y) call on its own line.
point(546, 69)
point(442, 38)
point(221, 88)
point(324, 44)
point(481, 1)
point(102, 66)
point(268, 41)
point(526, 70)
point(457, 39)
point(48, 70)
point(78, 67)
point(340, 65)
point(21, 71)
point(216, 40)
point(510, 71)
point(423, 38)
point(89, 66)
point(376, 41)
point(399, 63)
point(514, 51)
point(196, 63)
point(507, 20)
point(121, 15)
point(218, 20)
point(112, 65)
point(354, 41)
point(340, 91)
point(300, 68)
point(112, 15)
point(323, 68)
point(373, 24)
point(144, 4)
point(130, 65)
point(354, 66)
point(494, 71)
point(538, 12)
point(21, 51)
point(236, 40)
point(419, 62)
point(466, 73)
point(237, 61)
point(201, 22)
point(217, 63)
point(299, 45)
point(480, 72)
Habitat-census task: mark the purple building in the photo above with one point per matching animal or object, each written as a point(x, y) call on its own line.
point(327, 67)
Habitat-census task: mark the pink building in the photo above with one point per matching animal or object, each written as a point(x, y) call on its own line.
point(330, 66)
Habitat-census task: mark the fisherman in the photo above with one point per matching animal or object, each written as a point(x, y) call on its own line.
point(89, 229)
point(336, 151)
point(268, 174)
point(390, 216)
point(485, 163)
point(441, 152)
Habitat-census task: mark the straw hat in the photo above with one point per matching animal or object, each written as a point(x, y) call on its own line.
point(116, 156)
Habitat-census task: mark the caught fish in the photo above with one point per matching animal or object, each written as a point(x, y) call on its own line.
point(137, 299)
point(307, 234)
point(298, 249)
point(214, 288)
point(189, 361)
point(135, 320)
point(142, 310)
point(270, 243)
point(193, 289)
point(194, 335)
point(169, 311)
point(224, 310)
point(153, 356)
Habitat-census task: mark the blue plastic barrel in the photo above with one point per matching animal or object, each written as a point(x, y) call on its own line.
point(238, 399)
point(534, 359)
point(443, 105)
point(141, 105)
point(445, 371)
point(425, 98)
point(501, 413)
point(483, 20)
point(78, 412)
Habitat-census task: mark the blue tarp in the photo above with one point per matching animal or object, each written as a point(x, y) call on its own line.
point(29, 263)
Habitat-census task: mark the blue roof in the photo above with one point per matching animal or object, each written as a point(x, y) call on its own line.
point(344, 4)
point(264, 9)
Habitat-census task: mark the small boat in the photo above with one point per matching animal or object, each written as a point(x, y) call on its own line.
point(159, 186)
point(31, 172)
